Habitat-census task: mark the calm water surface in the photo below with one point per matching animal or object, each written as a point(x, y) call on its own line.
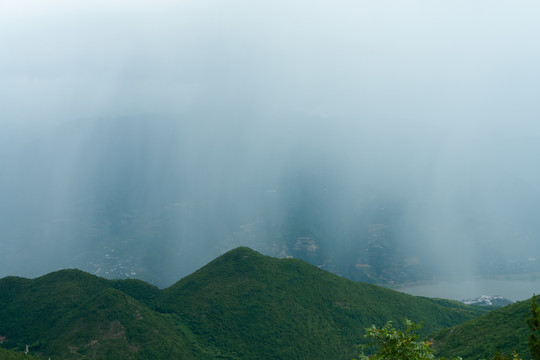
point(514, 290)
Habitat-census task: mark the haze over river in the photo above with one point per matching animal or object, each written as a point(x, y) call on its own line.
point(512, 289)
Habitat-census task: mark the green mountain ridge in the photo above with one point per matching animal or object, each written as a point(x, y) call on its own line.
point(115, 324)
point(242, 305)
point(243, 285)
point(503, 330)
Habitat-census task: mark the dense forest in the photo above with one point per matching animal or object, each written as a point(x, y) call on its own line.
point(242, 305)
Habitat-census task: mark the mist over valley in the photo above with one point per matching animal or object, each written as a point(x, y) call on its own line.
point(384, 143)
point(156, 197)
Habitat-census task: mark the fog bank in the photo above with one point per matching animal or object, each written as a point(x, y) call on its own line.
point(385, 141)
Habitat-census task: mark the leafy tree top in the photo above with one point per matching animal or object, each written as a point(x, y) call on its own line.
point(392, 344)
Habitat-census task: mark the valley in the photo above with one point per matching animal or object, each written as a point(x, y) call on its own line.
point(264, 180)
point(140, 202)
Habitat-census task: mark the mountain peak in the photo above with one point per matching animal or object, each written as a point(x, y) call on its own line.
point(242, 305)
point(241, 253)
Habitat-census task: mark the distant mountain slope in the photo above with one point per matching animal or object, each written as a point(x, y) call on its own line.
point(502, 330)
point(242, 305)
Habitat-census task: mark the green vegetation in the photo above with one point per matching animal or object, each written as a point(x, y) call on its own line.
point(534, 325)
point(16, 355)
point(30, 308)
point(243, 305)
point(498, 356)
point(392, 344)
point(501, 331)
point(115, 323)
point(261, 307)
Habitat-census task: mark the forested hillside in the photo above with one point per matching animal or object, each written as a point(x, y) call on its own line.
point(243, 305)
point(503, 330)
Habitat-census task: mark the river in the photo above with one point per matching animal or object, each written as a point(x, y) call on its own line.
point(513, 289)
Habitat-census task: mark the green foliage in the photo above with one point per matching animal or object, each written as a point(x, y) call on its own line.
point(140, 290)
point(16, 355)
point(503, 330)
point(262, 307)
point(534, 325)
point(30, 308)
point(498, 356)
point(392, 344)
point(243, 305)
point(115, 323)
point(395, 344)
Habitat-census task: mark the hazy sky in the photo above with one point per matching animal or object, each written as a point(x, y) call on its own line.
point(436, 100)
point(465, 66)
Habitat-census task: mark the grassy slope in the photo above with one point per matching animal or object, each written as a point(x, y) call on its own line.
point(285, 308)
point(501, 330)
